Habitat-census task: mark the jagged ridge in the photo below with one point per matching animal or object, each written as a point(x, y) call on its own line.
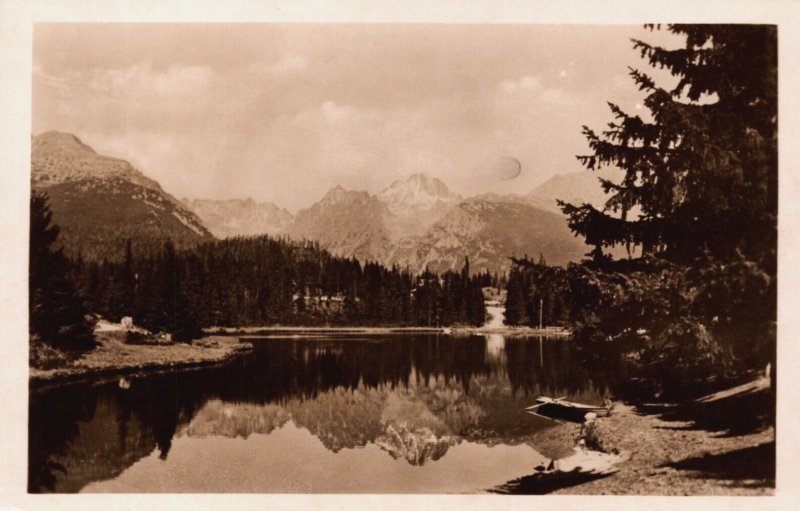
point(237, 217)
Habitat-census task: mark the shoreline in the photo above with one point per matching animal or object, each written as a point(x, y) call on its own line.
point(383, 330)
point(674, 449)
point(113, 358)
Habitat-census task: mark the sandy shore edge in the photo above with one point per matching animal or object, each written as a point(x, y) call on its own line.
point(114, 358)
point(670, 454)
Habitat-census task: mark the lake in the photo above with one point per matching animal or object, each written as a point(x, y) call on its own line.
point(317, 414)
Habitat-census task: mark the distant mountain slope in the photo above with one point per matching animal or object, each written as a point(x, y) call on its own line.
point(581, 187)
point(419, 223)
point(490, 228)
point(415, 203)
point(236, 217)
point(100, 201)
point(347, 223)
point(355, 223)
point(574, 187)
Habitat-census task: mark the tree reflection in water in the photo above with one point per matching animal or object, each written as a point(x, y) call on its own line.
point(414, 396)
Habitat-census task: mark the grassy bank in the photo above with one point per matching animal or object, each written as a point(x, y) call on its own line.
point(114, 358)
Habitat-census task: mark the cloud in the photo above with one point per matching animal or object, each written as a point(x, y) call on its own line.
point(525, 83)
point(142, 81)
point(333, 113)
point(168, 122)
point(288, 64)
point(284, 112)
point(262, 130)
point(559, 97)
point(530, 93)
point(137, 97)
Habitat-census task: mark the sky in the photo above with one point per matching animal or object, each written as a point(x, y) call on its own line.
point(284, 112)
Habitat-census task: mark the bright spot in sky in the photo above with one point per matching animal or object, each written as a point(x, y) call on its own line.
point(507, 168)
point(638, 106)
point(563, 73)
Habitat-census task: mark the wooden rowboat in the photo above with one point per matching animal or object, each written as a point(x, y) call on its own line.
point(561, 410)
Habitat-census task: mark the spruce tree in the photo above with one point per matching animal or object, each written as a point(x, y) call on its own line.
point(128, 281)
point(516, 297)
point(58, 315)
point(699, 199)
point(180, 319)
point(702, 172)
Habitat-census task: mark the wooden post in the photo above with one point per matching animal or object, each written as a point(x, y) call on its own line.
point(541, 352)
point(541, 304)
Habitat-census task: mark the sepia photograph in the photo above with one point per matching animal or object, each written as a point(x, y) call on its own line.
point(402, 258)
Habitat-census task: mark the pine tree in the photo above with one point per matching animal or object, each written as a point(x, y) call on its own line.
point(58, 315)
point(701, 177)
point(703, 171)
point(179, 319)
point(516, 297)
point(128, 281)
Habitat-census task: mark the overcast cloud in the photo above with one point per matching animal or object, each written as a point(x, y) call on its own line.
point(282, 113)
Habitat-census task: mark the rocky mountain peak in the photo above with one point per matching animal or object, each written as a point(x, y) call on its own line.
point(58, 157)
point(56, 143)
point(418, 190)
point(240, 217)
point(100, 201)
point(430, 184)
point(339, 195)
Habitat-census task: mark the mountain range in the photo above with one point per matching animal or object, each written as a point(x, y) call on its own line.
point(99, 202)
point(489, 228)
point(419, 223)
point(416, 222)
point(372, 227)
point(237, 217)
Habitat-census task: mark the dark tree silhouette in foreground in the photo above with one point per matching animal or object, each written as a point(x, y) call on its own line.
point(702, 167)
point(58, 316)
point(698, 198)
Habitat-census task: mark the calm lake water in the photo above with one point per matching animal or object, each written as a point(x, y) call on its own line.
point(325, 414)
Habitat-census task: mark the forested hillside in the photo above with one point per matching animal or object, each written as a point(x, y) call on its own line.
point(264, 281)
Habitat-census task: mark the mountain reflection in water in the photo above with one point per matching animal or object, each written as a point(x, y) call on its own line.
point(400, 413)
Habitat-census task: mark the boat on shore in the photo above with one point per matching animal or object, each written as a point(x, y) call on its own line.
point(559, 409)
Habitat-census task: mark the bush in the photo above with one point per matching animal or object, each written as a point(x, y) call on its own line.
point(678, 322)
point(44, 356)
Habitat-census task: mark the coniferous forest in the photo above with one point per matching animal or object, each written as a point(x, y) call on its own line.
point(240, 282)
point(265, 281)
